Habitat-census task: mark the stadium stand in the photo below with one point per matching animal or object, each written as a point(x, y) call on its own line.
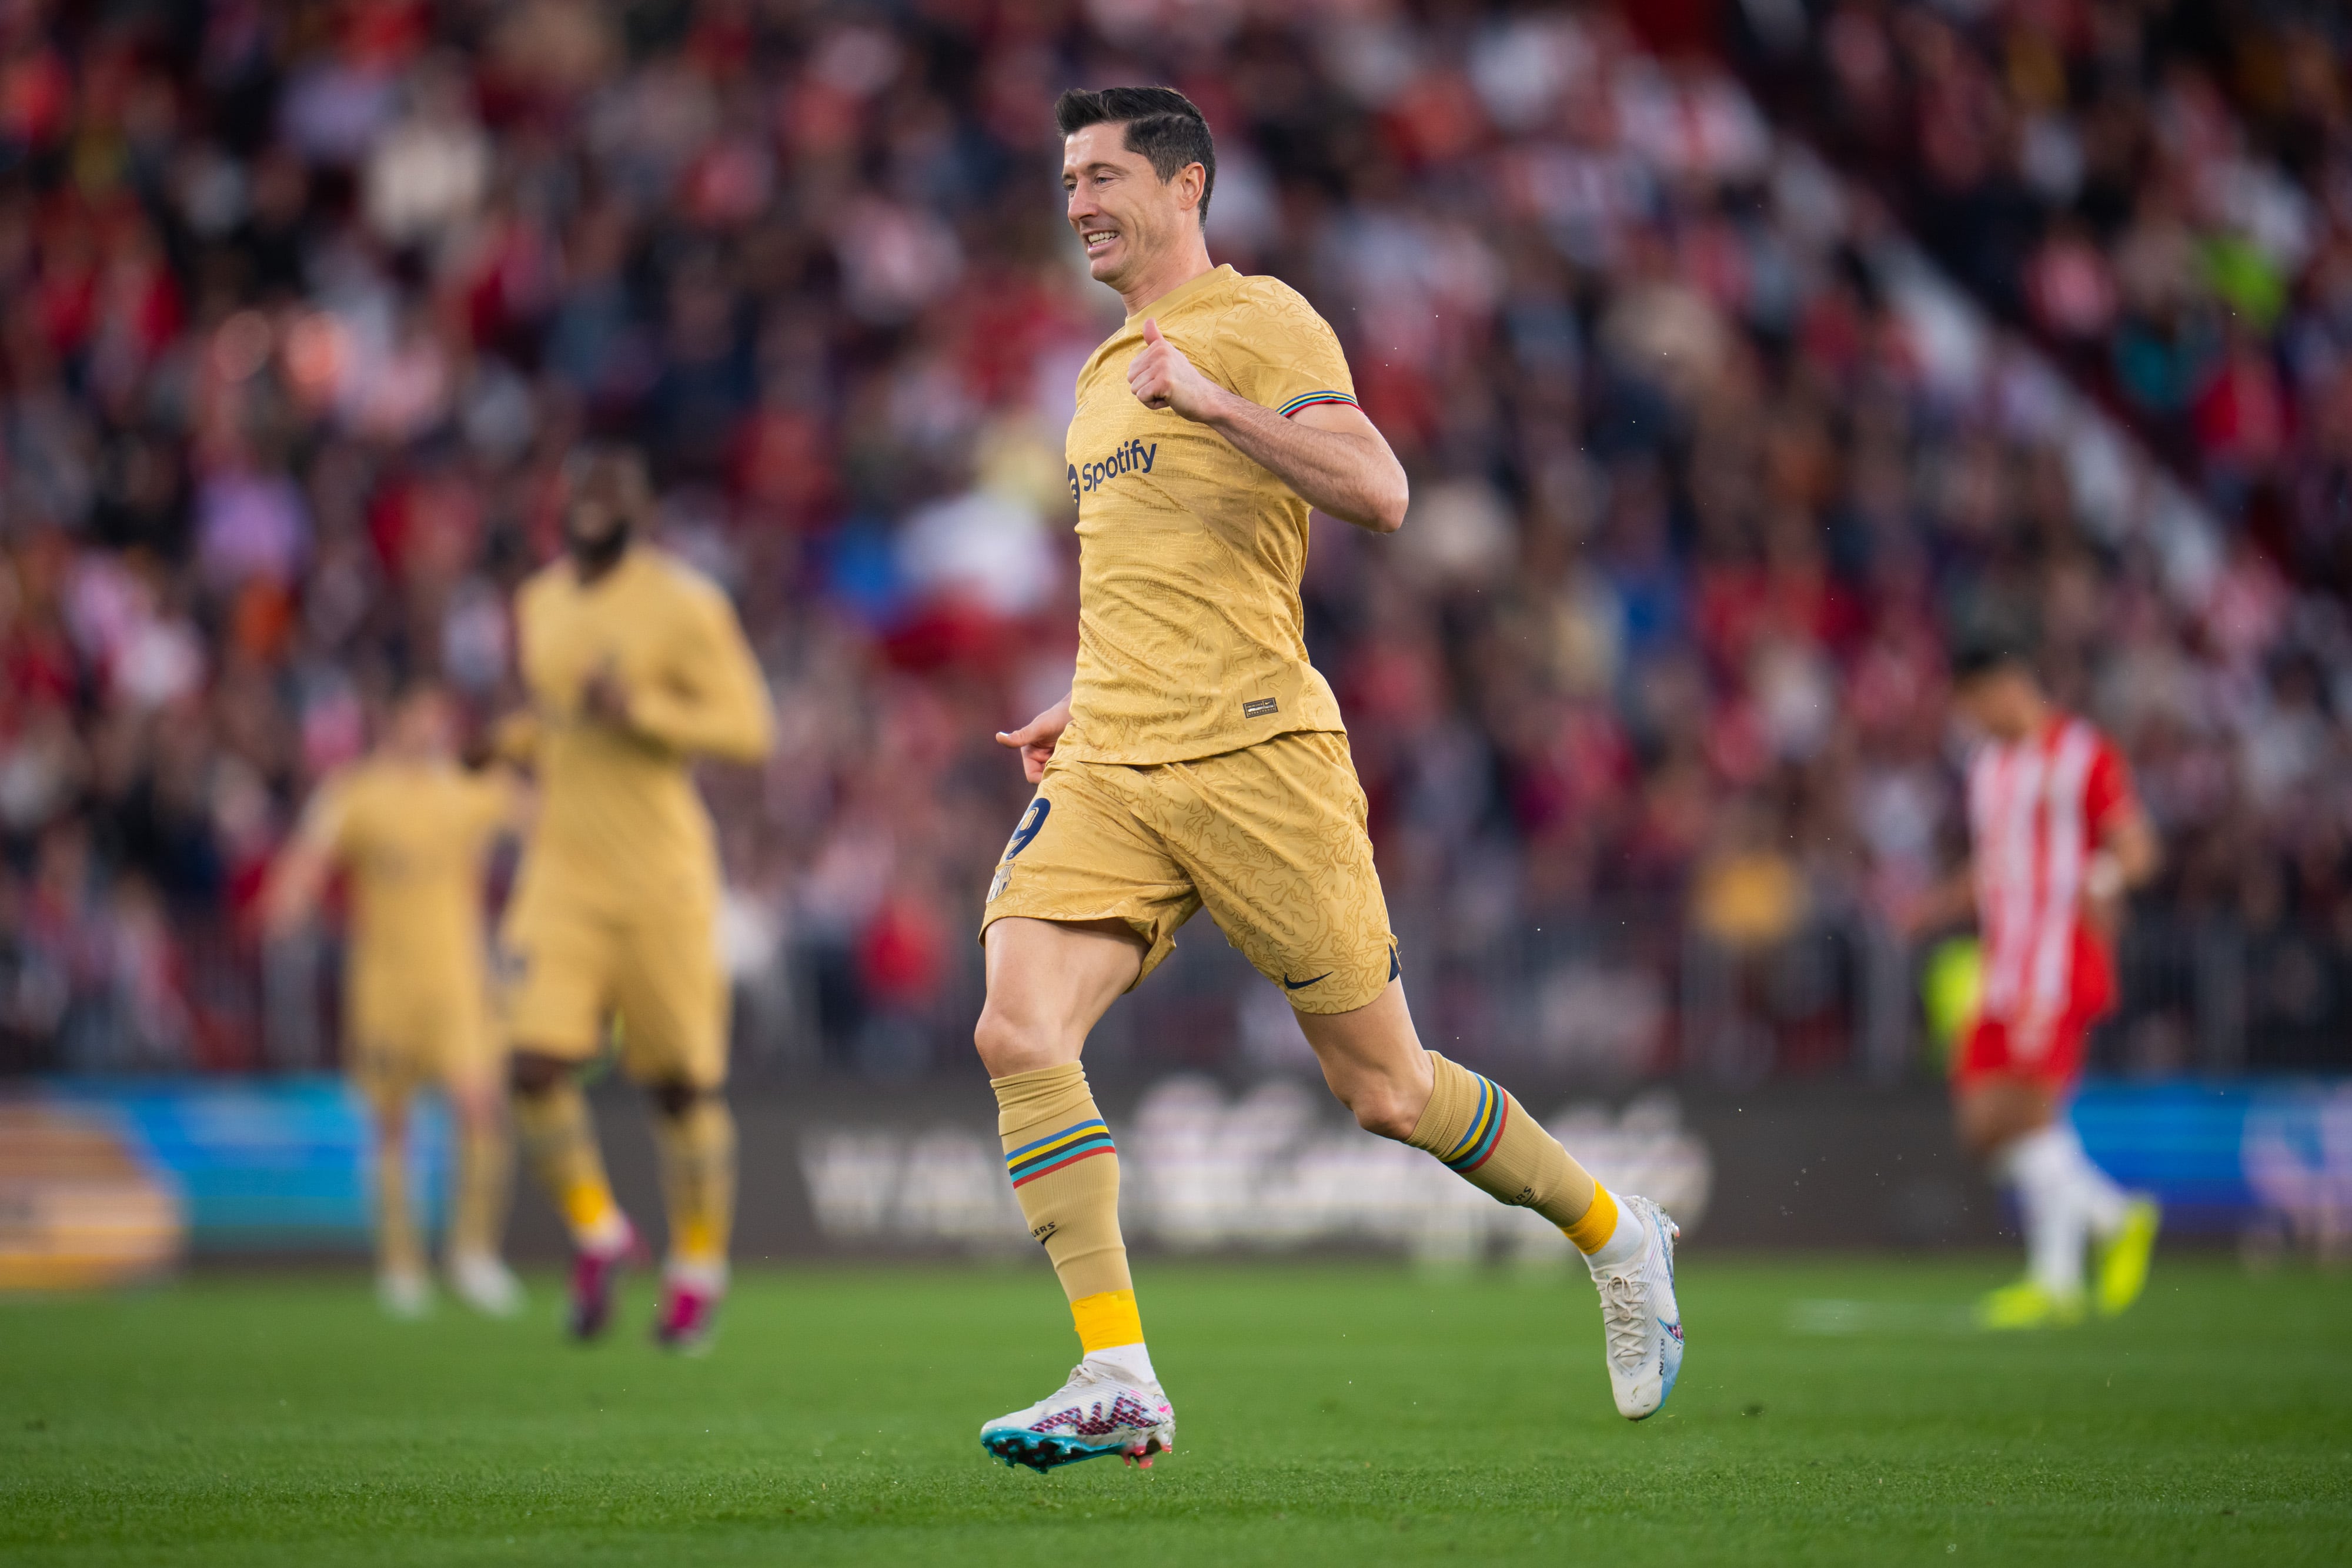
point(300, 307)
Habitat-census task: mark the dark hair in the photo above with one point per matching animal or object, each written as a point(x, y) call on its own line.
point(1980, 656)
point(1161, 123)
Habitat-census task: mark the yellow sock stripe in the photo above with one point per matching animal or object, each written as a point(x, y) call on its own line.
point(1107, 1320)
point(1591, 1232)
point(586, 1204)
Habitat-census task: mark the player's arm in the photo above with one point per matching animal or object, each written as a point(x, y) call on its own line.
point(2125, 859)
point(1949, 900)
point(1035, 740)
point(299, 875)
point(2128, 851)
point(712, 702)
point(1335, 459)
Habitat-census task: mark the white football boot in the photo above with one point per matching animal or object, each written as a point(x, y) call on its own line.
point(485, 1284)
point(1093, 1415)
point(403, 1294)
point(1639, 1318)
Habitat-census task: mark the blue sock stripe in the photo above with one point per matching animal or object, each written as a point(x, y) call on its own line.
point(1478, 1119)
point(1485, 1128)
point(1053, 1159)
point(1070, 1130)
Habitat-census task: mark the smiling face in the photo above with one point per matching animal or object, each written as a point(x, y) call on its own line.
point(1123, 213)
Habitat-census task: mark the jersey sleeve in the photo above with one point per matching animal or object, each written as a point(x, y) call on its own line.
point(1278, 352)
point(327, 822)
point(2108, 792)
point(710, 700)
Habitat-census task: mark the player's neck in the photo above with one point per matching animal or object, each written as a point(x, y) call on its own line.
point(1166, 274)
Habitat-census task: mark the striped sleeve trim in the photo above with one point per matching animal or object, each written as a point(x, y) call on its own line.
point(1067, 1148)
point(1309, 399)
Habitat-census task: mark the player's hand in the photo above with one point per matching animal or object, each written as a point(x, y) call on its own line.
point(1035, 740)
point(604, 697)
point(1161, 377)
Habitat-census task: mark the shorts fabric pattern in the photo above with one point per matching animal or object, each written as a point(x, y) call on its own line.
point(1270, 840)
point(567, 971)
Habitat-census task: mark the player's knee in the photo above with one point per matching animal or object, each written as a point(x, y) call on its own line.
point(1379, 1110)
point(532, 1076)
point(1008, 1044)
point(674, 1097)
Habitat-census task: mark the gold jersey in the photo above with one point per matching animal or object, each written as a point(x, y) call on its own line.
point(1191, 636)
point(413, 838)
point(621, 827)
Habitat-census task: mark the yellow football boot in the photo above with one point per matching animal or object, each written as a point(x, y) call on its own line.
point(2027, 1305)
point(2124, 1257)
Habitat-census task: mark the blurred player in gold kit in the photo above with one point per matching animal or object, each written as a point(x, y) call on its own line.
point(636, 667)
point(414, 830)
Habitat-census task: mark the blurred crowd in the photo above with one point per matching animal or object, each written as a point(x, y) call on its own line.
point(2162, 188)
point(301, 305)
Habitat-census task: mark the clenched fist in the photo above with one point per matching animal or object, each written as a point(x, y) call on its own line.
point(1161, 377)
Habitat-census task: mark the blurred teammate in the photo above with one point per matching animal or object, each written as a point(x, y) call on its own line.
point(1200, 760)
point(2057, 838)
point(636, 667)
point(414, 830)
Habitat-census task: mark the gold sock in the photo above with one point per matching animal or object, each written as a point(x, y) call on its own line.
point(1479, 1133)
point(399, 1250)
point(485, 1182)
point(1064, 1171)
point(697, 1170)
point(559, 1140)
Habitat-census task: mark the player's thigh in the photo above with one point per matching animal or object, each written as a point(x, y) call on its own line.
point(1049, 983)
point(672, 997)
point(469, 1060)
point(558, 976)
point(386, 1064)
point(1082, 855)
point(1274, 838)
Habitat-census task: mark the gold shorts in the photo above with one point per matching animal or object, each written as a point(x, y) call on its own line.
point(569, 972)
point(1269, 839)
point(400, 1038)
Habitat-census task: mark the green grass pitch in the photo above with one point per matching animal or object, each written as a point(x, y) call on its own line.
point(1829, 1412)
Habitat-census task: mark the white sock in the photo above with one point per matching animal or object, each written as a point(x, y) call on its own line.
point(709, 1279)
point(1624, 1244)
point(1126, 1362)
point(2102, 1203)
point(2040, 1169)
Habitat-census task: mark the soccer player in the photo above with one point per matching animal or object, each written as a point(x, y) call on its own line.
point(413, 831)
point(1200, 762)
point(636, 667)
point(2057, 838)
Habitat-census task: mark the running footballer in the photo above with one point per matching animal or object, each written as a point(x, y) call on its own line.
point(1200, 762)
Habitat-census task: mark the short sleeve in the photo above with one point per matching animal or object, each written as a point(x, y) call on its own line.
point(2107, 793)
point(1278, 353)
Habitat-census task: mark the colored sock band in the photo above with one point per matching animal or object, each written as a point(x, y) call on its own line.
point(1481, 1134)
point(1063, 1169)
point(697, 1172)
point(1592, 1232)
point(1107, 1321)
point(559, 1140)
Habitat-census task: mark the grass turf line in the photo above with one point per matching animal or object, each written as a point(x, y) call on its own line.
point(1332, 1414)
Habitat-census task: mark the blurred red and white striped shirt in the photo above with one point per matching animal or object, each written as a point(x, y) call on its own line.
point(2037, 808)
